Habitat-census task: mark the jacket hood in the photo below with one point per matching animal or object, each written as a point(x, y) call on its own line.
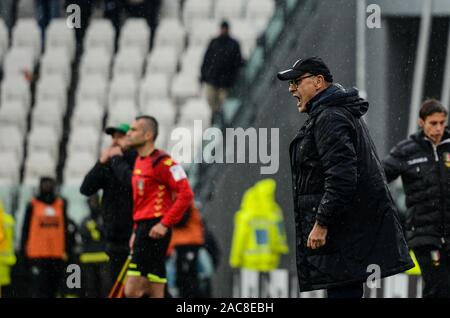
point(336, 95)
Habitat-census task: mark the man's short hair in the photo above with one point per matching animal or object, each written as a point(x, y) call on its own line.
point(151, 123)
point(431, 106)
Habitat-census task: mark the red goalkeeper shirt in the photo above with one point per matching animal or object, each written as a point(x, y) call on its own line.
point(160, 189)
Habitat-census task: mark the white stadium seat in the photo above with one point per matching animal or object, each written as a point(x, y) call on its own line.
point(92, 87)
point(203, 31)
point(58, 35)
point(170, 32)
point(47, 113)
point(162, 109)
point(259, 13)
point(4, 42)
point(170, 9)
point(88, 113)
point(192, 60)
point(124, 111)
point(229, 9)
point(195, 109)
point(16, 88)
point(129, 60)
point(123, 87)
point(26, 33)
point(43, 138)
point(154, 85)
point(162, 60)
point(185, 85)
point(83, 138)
point(56, 61)
point(245, 32)
point(11, 139)
point(10, 168)
point(77, 165)
point(195, 10)
point(19, 61)
point(260, 9)
point(38, 164)
point(95, 61)
point(135, 33)
point(52, 87)
point(100, 34)
point(12, 112)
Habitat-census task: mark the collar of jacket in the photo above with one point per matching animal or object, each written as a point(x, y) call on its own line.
point(420, 136)
point(311, 106)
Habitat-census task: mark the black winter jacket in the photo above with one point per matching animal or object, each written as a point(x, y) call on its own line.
point(339, 181)
point(117, 202)
point(425, 172)
point(221, 62)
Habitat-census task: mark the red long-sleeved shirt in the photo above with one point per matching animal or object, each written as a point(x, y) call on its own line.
point(160, 189)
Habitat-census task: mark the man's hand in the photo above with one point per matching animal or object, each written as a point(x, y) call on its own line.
point(317, 237)
point(115, 151)
point(104, 157)
point(158, 231)
point(131, 243)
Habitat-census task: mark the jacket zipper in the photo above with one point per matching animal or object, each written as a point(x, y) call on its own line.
point(436, 158)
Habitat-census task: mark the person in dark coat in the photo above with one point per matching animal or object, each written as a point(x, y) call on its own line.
point(117, 202)
point(423, 163)
point(346, 221)
point(220, 68)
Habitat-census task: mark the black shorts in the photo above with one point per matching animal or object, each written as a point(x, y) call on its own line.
point(148, 257)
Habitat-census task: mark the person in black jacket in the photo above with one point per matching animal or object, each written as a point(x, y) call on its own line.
point(117, 201)
point(220, 68)
point(423, 163)
point(347, 226)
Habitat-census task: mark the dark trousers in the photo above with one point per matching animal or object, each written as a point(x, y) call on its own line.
point(187, 279)
point(348, 291)
point(47, 277)
point(435, 266)
point(95, 280)
point(117, 257)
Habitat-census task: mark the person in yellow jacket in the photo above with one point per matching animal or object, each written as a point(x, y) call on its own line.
point(259, 237)
point(7, 255)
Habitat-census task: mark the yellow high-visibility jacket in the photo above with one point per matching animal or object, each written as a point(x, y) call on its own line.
point(7, 255)
point(259, 237)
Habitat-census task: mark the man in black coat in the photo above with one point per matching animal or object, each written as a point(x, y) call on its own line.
point(220, 68)
point(347, 227)
point(423, 162)
point(117, 201)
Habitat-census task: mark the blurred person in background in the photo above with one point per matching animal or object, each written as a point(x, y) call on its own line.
point(423, 163)
point(45, 240)
point(147, 9)
point(187, 239)
point(7, 254)
point(94, 260)
point(117, 200)
point(220, 68)
point(46, 10)
point(259, 237)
